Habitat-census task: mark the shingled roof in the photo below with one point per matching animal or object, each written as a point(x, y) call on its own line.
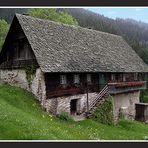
point(64, 48)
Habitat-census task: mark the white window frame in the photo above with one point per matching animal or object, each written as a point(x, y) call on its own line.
point(76, 79)
point(63, 79)
point(89, 80)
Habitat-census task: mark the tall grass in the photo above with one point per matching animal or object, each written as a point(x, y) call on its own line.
point(21, 117)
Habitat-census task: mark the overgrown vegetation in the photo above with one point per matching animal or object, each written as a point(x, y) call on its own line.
point(104, 112)
point(21, 117)
point(144, 96)
point(30, 72)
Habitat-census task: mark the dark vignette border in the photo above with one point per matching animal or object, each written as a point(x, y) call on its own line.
point(73, 2)
point(73, 144)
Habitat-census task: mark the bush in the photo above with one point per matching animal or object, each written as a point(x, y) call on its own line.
point(65, 116)
point(145, 99)
point(104, 112)
point(144, 96)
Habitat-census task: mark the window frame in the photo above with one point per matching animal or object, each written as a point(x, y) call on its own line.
point(89, 78)
point(63, 79)
point(76, 79)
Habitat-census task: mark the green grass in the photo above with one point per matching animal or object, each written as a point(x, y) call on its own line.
point(22, 118)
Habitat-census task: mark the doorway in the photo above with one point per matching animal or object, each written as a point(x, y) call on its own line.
point(73, 106)
point(102, 80)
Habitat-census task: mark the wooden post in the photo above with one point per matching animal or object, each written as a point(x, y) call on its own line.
point(87, 101)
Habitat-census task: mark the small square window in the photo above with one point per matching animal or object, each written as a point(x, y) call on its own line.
point(63, 79)
point(76, 79)
point(113, 77)
point(89, 78)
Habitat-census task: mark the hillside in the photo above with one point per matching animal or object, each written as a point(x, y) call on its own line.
point(22, 118)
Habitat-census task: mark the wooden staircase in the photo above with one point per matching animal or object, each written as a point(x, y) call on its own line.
point(103, 94)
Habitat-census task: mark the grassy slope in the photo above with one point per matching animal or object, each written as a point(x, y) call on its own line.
point(22, 118)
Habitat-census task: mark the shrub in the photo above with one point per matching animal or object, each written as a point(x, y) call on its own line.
point(104, 112)
point(145, 99)
point(144, 96)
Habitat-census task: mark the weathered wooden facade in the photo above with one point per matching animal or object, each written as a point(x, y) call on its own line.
point(63, 84)
point(70, 64)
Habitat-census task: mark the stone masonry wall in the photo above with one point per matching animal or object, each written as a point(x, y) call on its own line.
point(125, 103)
point(62, 104)
point(18, 78)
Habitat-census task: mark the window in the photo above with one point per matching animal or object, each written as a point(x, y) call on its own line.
point(135, 76)
point(76, 79)
point(89, 78)
point(124, 77)
point(113, 77)
point(63, 79)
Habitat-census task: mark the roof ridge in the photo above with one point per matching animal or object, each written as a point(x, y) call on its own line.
point(67, 25)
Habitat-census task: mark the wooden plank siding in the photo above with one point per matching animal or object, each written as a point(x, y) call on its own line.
point(55, 89)
point(17, 52)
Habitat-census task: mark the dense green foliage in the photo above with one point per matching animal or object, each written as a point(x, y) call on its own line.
point(54, 15)
point(21, 117)
point(4, 26)
point(104, 112)
point(144, 96)
point(30, 73)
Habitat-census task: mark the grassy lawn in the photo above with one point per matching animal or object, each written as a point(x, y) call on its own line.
point(22, 118)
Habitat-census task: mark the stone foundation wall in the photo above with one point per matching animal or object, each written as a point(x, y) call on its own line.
point(124, 105)
point(18, 78)
point(62, 104)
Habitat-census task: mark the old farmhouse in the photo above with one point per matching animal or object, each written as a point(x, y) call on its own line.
point(71, 69)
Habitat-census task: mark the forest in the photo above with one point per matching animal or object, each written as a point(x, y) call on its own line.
point(134, 32)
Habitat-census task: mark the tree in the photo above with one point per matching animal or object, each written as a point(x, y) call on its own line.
point(54, 15)
point(4, 27)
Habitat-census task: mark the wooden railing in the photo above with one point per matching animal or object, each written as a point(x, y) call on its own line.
point(112, 88)
point(122, 87)
point(101, 94)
